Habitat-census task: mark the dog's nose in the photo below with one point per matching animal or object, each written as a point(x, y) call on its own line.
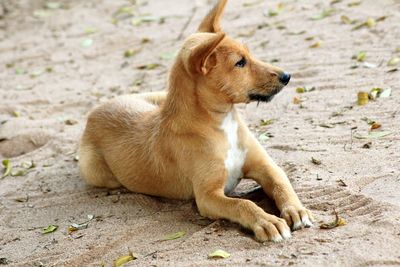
point(284, 78)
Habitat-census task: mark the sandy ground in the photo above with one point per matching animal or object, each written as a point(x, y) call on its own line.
point(58, 63)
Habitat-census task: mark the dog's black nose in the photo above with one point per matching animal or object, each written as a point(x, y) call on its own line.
point(284, 78)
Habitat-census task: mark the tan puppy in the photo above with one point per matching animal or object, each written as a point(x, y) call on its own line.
point(191, 142)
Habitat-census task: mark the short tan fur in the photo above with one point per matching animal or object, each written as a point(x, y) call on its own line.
point(190, 141)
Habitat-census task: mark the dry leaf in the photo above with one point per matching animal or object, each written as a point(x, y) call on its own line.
point(143, 19)
point(324, 14)
point(355, 3)
point(393, 61)
point(7, 167)
point(335, 2)
point(360, 57)
point(362, 98)
point(16, 114)
point(70, 122)
point(49, 229)
point(219, 254)
point(174, 236)
point(338, 222)
point(252, 3)
point(326, 125)
point(266, 122)
point(375, 126)
point(304, 89)
point(379, 93)
point(150, 66)
point(345, 19)
point(80, 226)
point(263, 137)
point(316, 44)
point(53, 5)
point(130, 53)
point(371, 22)
point(123, 259)
point(368, 120)
point(296, 100)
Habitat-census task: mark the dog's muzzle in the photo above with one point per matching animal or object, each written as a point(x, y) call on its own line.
point(261, 97)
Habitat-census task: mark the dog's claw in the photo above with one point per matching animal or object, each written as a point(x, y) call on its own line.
point(297, 217)
point(272, 229)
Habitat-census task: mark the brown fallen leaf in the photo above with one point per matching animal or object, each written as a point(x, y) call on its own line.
point(375, 125)
point(296, 100)
point(338, 222)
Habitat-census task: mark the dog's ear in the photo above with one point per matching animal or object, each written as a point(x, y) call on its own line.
point(211, 23)
point(200, 60)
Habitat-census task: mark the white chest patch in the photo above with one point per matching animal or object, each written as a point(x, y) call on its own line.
point(235, 156)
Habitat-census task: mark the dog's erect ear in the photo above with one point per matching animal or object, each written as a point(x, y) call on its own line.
point(211, 23)
point(200, 56)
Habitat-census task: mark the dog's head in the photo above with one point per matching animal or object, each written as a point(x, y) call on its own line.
point(226, 67)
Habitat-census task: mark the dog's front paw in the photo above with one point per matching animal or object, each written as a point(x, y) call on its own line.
point(271, 228)
point(297, 217)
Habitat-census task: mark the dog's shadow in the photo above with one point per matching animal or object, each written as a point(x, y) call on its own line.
point(250, 190)
point(186, 210)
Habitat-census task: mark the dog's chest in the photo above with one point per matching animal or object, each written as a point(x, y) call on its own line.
point(235, 155)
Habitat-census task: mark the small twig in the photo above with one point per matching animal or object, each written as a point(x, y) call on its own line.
point(351, 138)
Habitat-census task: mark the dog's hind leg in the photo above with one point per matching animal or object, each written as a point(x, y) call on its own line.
point(94, 168)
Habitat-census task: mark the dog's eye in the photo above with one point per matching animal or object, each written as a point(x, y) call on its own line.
point(241, 63)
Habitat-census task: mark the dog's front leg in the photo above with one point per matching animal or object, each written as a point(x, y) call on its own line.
point(261, 168)
point(212, 202)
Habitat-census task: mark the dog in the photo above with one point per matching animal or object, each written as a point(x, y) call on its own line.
point(190, 141)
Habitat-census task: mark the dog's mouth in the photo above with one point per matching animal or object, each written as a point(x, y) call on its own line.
point(259, 97)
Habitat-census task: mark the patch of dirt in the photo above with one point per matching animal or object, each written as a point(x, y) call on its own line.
point(59, 61)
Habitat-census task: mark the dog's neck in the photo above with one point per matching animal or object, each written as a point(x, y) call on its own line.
point(188, 105)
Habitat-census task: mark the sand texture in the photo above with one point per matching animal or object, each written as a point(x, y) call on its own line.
point(57, 63)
